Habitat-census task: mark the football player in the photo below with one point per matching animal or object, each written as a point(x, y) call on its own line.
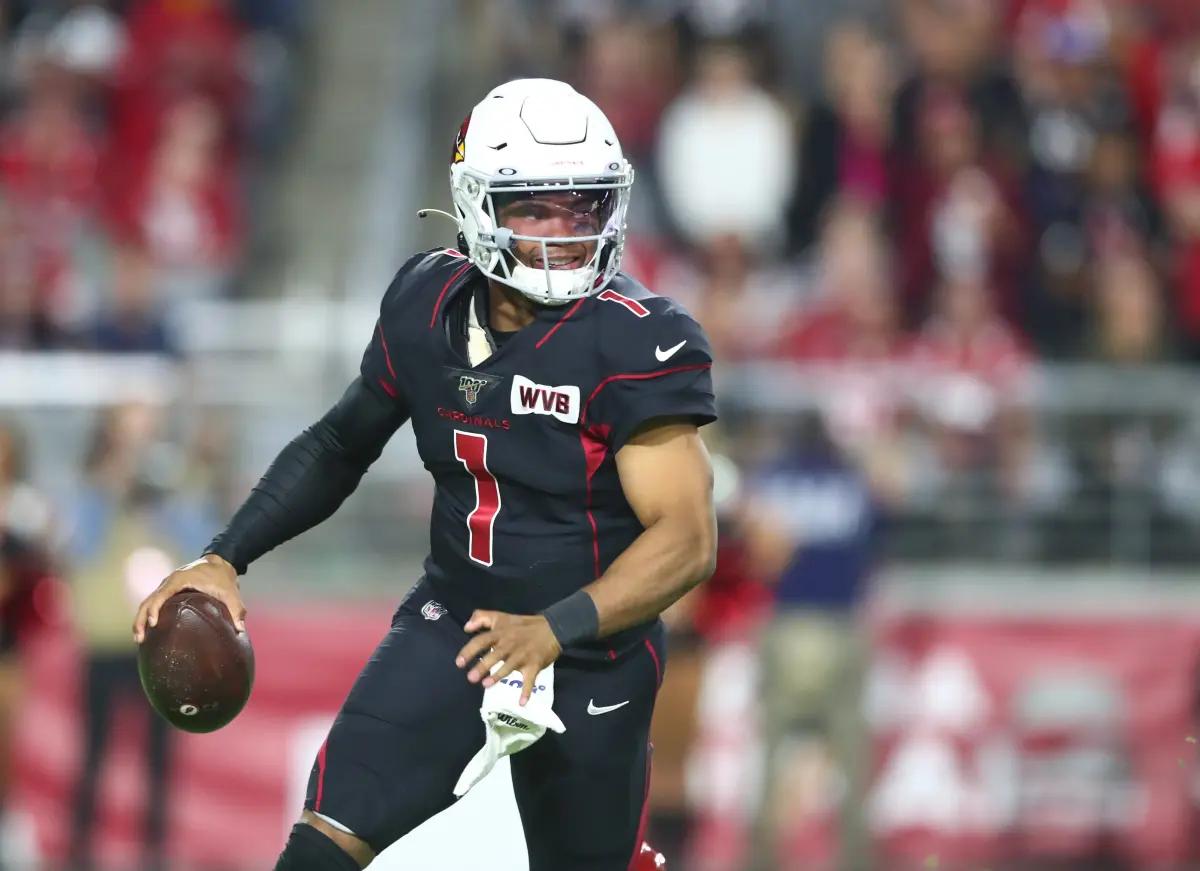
point(556, 402)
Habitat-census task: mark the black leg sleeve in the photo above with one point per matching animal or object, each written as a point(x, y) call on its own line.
point(312, 476)
point(311, 850)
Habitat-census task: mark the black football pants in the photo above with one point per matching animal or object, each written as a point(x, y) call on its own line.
point(411, 724)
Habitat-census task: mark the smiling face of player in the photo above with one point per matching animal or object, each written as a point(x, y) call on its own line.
point(553, 214)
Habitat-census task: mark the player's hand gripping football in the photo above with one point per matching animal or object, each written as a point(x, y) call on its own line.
point(210, 574)
point(523, 643)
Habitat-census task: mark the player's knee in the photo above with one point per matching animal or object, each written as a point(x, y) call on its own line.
point(314, 845)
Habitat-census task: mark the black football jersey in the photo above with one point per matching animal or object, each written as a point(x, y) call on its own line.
point(528, 506)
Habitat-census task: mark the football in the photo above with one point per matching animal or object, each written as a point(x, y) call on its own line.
point(196, 668)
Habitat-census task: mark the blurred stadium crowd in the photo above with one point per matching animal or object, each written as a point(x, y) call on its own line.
point(947, 251)
point(134, 138)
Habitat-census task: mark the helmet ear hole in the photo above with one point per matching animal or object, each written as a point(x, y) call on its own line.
point(463, 248)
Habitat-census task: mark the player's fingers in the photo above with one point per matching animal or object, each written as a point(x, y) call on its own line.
point(473, 648)
point(155, 602)
point(492, 660)
point(481, 619)
point(482, 669)
point(139, 623)
point(499, 674)
point(529, 673)
point(233, 602)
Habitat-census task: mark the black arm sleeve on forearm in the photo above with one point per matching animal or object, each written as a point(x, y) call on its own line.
point(312, 476)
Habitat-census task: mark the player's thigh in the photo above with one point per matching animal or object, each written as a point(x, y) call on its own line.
point(405, 732)
point(582, 794)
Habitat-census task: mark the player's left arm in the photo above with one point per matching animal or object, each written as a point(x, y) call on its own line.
point(667, 479)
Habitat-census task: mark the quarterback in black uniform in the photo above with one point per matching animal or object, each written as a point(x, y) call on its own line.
point(555, 401)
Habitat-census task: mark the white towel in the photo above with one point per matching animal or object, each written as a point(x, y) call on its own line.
point(510, 727)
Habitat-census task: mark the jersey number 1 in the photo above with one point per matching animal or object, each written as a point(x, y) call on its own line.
point(470, 449)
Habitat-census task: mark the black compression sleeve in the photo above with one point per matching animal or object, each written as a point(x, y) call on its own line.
point(312, 476)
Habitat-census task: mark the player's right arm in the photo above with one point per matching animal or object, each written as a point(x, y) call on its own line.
point(307, 482)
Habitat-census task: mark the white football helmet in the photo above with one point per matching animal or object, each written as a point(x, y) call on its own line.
point(532, 136)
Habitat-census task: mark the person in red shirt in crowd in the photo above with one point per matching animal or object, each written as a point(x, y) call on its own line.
point(184, 207)
point(853, 316)
point(973, 369)
point(957, 209)
point(852, 329)
point(174, 48)
point(49, 186)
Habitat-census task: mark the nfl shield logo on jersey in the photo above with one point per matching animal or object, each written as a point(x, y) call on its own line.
point(432, 610)
point(470, 387)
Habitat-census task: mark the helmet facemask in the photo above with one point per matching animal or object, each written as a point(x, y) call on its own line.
point(492, 211)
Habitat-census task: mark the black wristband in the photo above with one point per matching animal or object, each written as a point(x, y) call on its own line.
point(573, 619)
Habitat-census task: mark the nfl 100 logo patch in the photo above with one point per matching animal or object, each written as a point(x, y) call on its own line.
point(471, 385)
point(432, 610)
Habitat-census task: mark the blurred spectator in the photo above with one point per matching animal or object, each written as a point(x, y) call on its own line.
point(49, 182)
point(1176, 166)
point(851, 314)
point(25, 571)
point(24, 512)
point(1119, 214)
point(958, 213)
point(742, 301)
point(851, 331)
point(629, 69)
point(185, 205)
point(811, 524)
point(133, 319)
point(956, 50)
point(1129, 324)
point(81, 40)
point(973, 372)
point(176, 49)
point(847, 134)
point(972, 377)
point(1076, 99)
point(128, 533)
point(725, 155)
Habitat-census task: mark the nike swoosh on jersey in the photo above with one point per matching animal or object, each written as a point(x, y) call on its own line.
point(663, 356)
point(593, 710)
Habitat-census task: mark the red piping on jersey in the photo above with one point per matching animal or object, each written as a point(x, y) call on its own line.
point(449, 281)
point(387, 388)
point(654, 656)
point(637, 376)
point(645, 817)
point(559, 323)
point(387, 357)
point(595, 448)
point(320, 774)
